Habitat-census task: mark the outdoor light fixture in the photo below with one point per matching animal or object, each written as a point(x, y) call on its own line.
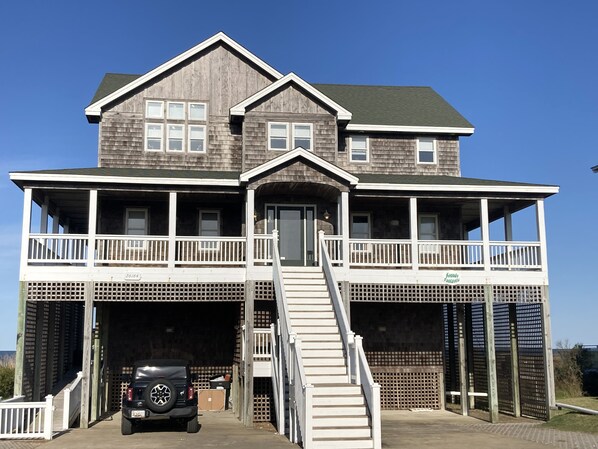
point(326, 215)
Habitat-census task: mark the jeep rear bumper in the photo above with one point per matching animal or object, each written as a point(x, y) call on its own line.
point(189, 412)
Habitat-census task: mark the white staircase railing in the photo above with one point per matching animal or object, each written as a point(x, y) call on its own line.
point(300, 392)
point(72, 402)
point(26, 420)
point(359, 370)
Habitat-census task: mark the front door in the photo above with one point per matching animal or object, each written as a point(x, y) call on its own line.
point(295, 225)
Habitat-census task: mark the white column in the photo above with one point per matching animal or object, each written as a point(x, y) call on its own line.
point(485, 232)
point(91, 227)
point(414, 233)
point(86, 360)
point(26, 229)
point(345, 229)
point(542, 234)
point(172, 204)
point(249, 226)
point(43, 224)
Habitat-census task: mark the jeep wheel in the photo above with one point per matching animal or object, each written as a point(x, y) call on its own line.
point(126, 426)
point(193, 425)
point(160, 396)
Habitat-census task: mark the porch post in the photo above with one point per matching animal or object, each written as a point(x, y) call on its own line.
point(91, 227)
point(514, 359)
point(97, 350)
point(247, 410)
point(86, 361)
point(43, 224)
point(249, 226)
point(485, 233)
point(548, 362)
point(172, 205)
point(56, 222)
point(541, 234)
point(463, 374)
point(20, 349)
point(490, 353)
point(414, 233)
point(39, 335)
point(25, 230)
point(104, 379)
point(508, 224)
point(345, 230)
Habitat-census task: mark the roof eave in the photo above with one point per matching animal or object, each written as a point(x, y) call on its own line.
point(531, 189)
point(462, 131)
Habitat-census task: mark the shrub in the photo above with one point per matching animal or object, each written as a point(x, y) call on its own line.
point(567, 370)
point(7, 377)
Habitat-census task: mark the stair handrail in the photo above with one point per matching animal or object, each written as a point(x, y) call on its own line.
point(300, 391)
point(357, 364)
point(72, 402)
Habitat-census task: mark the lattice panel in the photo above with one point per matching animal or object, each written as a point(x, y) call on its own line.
point(264, 291)
point(264, 314)
point(263, 405)
point(480, 370)
point(43, 314)
point(532, 378)
point(55, 291)
point(412, 356)
point(451, 349)
point(56, 311)
point(518, 293)
point(416, 293)
point(502, 345)
point(409, 389)
point(167, 291)
point(29, 349)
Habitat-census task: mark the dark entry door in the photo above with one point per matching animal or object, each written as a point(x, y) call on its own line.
point(295, 225)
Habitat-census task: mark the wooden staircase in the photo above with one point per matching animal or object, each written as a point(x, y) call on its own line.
point(340, 419)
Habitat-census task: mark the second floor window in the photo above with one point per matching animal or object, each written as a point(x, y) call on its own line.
point(285, 136)
point(278, 136)
point(175, 126)
point(360, 226)
point(359, 146)
point(426, 150)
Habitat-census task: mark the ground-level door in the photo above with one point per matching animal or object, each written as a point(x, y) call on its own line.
point(296, 231)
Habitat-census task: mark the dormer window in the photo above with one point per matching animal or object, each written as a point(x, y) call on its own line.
point(302, 135)
point(278, 136)
point(176, 110)
point(359, 147)
point(154, 109)
point(426, 150)
point(298, 134)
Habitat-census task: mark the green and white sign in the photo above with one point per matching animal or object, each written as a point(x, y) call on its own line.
point(452, 277)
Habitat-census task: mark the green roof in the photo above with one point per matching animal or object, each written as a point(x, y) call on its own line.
point(372, 178)
point(370, 105)
point(140, 173)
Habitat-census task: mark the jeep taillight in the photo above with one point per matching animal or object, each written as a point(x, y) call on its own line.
point(129, 394)
point(190, 393)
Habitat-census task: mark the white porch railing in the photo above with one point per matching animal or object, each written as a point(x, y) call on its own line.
point(262, 346)
point(141, 249)
point(359, 370)
point(210, 250)
point(450, 253)
point(57, 248)
point(515, 255)
point(26, 420)
point(72, 402)
point(375, 253)
point(262, 248)
point(334, 245)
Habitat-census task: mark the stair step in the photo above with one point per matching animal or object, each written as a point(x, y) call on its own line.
point(313, 314)
point(341, 421)
point(300, 297)
point(331, 344)
point(339, 389)
point(327, 378)
point(305, 288)
point(353, 400)
point(303, 275)
point(304, 281)
point(313, 353)
point(325, 370)
point(322, 338)
point(313, 322)
point(309, 328)
point(334, 432)
point(301, 269)
point(323, 361)
point(339, 410)
point(318, 307)
point(343, 443)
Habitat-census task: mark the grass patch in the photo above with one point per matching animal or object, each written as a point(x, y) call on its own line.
point(570, 421)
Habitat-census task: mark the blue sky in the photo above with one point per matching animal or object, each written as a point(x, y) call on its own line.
point(524, 73)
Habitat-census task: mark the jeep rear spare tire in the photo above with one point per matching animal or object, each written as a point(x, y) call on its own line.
point(160, 395)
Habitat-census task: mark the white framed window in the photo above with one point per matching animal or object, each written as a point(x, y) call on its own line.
point(359, 148)
point(278, 136)
point(175, 137)
point(361, 229)
point(154, 109)
point(136, 223)
point(154, 135)
point(426, 150)
point(209, 226)
point(176, 110)
point(303, 135)
point(197, 139)
point(428, 230)
point(198, 111)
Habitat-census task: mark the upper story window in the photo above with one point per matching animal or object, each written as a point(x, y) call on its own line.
point(428, 227)
point(175, 126)
point(299, 134)
point(359, 148)
point(136, 224)
point(426, 150)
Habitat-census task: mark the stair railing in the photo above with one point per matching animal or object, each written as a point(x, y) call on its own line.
point(300, 392)
point(357, 365)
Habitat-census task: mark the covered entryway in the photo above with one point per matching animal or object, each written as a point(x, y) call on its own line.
point(296, 230)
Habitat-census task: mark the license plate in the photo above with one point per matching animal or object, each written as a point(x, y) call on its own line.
point(137, 413)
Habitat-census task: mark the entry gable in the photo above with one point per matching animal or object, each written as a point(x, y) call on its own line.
point(297, 154)
point(240, 109)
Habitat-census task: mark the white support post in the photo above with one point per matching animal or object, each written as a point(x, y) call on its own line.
point(463, 372)
point(43, 224)
point(250, 226)
point(548, 361)
point(358, 342)
point(540, 221)
point(485, 232)
point(91, 227)
point(66, 409)
point(345, 230)
point(490, 354)
point(26, 229)
point(308, 431)
point(86, 360)
point(49, 418)
point(414, 233)
point(320, 240)
point(172, 205)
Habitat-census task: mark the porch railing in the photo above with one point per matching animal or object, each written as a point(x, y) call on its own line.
point(142, 249)
point(210, 250)
point(262, 249)
point(57, 248)
point(262, 346)
point(334, 246)
point(515, 255)
point(450, 253)
point(375, 253)
point(26, 420)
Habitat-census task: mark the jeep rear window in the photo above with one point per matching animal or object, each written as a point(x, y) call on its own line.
point(167, 372)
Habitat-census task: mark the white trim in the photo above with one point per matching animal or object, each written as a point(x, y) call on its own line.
point(458, 188)
point(95, 109)
point(409, 129)
point(146, 137)
point(98, 179)
point(367, 149)
point(240, 108)
point(287, 139)
point(434, 151)
point(298, 152)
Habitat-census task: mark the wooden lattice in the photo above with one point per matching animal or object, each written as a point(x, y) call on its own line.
point(55, 291)
point(169, 291)
point(409, 389)
point(262, 400)
point(416, 293)
point(502, 344)
point(264, 291)
point(480, 369)
point(518, 293)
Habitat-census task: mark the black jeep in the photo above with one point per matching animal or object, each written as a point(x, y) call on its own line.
point(160, 389)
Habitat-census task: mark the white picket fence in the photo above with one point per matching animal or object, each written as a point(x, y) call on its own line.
point(26, 420)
